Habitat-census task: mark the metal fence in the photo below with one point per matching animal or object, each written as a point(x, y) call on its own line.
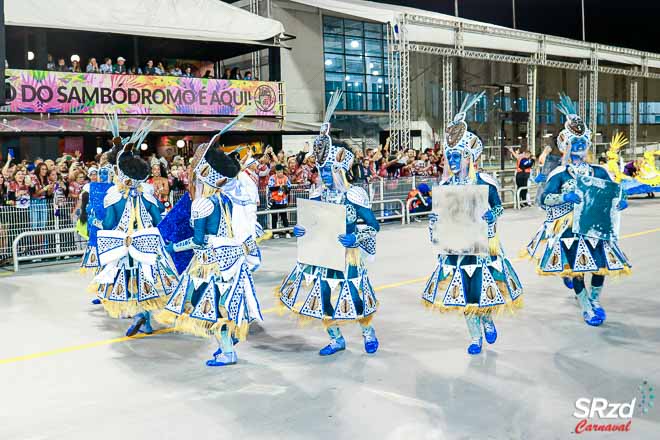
point(46, 229)
point(40, 216)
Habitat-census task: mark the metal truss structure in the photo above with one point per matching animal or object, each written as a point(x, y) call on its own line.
point(399, 48)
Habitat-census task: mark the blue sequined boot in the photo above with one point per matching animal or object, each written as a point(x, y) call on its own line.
point(568, 282)
point(587, 311)
point(490, 332)
point(147, 324)
point(370, 340)
point(337, 342)
point(594, 299)
point(96, 301)
point(225, 354)
point(474, 327)
point(138, 322)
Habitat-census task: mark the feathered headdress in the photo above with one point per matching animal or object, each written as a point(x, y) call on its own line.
point(457, 136)
point(618, 141)
point(131, 168)
point(574, 127)
point(213, 166)
point(324, 151)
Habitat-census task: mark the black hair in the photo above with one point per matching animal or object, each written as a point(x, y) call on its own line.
point(279, 167)
point(84, 200)
point(226, 165)
point(134, 166)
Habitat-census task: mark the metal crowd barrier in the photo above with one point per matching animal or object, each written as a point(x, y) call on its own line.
point(55, 251)
point(531, 195)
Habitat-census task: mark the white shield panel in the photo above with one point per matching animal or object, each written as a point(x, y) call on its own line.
point(323, 222)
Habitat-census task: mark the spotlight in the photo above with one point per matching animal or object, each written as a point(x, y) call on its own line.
point(180, 143)
point(75, 58)
point(355, 44)
point(99, 150)
point(144, 147)
point(30, 55)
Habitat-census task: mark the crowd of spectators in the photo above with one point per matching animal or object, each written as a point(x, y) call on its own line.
point(119, 67)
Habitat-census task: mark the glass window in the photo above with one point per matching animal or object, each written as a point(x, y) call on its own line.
point(334, 81)
point(374, 66)
point(354, 46)
point(333, 25)
point(352, 27)
point(355, 101)
point(373, 30)
point(373, 47)
point(376, 102)
point(333, 43)
point(342, 101)
point(362, 78)
point(354, 64)
point(334, 62)
point(376, 84)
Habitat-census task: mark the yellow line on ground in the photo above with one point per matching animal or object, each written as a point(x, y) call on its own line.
point(62, 350)
point(270, 310)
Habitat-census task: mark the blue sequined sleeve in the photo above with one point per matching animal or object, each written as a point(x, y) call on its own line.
point(110, 220)
point(552, 195)
point(154, 212)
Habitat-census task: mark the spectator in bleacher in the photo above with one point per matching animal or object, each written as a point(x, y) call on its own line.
point(75, 64)
point(176, 71)
point(248, 76)
point(106, 67)
point(235, 73)
point(38, 191)
point(3, 191)
point(188, 72)
point(92, 66)
point(149, 69)
point(57, 189)
point(76, 183)
point(263, 169)
point(61, 65)
point(207, 74)
point(50, 64)
point(160, 69)
point(120, 68)
point(19, 189)
point(135, 70)
point(279, 187)
point(227, 73)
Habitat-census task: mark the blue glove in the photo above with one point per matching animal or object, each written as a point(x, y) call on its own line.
point(623, 204)
point(572, 197)
point(298, 231)
point(170, 247)
point(540, 178)
point(347, 240)
point(433, 218)
point(489, 217)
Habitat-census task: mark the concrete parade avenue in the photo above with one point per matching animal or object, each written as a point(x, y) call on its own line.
point(69, 373)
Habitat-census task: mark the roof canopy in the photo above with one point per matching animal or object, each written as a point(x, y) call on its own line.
point(435, 28)
point(205, 20)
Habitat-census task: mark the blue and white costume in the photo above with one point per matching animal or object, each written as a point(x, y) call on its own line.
point(95, 211)
point(320, 293)
point(216, 294)
point(475, 285)
point(560, 251)
point(137, 274)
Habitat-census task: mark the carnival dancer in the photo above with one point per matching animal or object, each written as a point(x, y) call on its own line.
point(355, 300)
point(567, 253)
point(477, 286)
point(137, 274)
point(216, 295)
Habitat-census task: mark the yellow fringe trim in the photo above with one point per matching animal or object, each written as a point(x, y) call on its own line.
point(184, 323)
point(474, 309)
point(326, 321)
point(494, 246)
point(268, 234)
point(568, 272)
point(123, 309)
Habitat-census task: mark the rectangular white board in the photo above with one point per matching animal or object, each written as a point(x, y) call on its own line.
point(460, 229)
point(323, 223)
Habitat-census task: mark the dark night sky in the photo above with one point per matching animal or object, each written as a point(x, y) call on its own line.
point(624, 23)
